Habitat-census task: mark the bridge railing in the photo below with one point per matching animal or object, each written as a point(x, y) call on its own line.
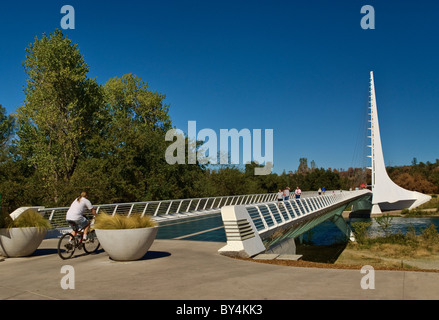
point(271, 215)
point(246, 226)
point(161, 209)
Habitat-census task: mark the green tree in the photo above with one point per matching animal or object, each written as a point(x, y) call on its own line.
point(57, 117)
point(6, 131)
point(126, 155)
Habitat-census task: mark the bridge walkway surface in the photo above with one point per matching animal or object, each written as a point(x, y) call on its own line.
point(194, 270)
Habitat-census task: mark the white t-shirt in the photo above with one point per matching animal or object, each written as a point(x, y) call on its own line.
point(77, 209)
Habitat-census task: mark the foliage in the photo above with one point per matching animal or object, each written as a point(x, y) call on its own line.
point(56, 119)
point(421, 177)
point(28, 219)
point(118, 221)
point(397, 244)
point(6, 131)
point(430, 235)
point(360, 230)
point(418, 212)
point(394, 247)
point(5, 220)
point(384, 221)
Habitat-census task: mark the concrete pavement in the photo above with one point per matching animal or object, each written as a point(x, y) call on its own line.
point(189, 270)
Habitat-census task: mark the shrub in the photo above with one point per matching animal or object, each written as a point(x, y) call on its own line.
point(134, 221)
point(28, 219)
point(430, 235)
point(384, 222)
point(360, 231)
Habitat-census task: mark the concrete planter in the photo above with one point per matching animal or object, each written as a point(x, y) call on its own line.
point(127, 244)
point(20, 242)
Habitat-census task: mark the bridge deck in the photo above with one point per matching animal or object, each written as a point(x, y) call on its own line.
point(200, 219)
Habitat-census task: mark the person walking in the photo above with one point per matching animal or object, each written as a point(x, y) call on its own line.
point(298, 192)
point(320, 191)
point(287, 194)
point(280, 196)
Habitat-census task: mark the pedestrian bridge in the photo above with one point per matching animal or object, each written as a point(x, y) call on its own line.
point(272, 227)
point(250, 224)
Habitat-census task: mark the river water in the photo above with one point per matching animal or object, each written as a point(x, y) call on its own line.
point(327, 233)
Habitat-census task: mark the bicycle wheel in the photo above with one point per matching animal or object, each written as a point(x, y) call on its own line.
point(66, 246)
point(92, 244)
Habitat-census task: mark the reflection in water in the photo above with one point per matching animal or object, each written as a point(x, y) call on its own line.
point(326, 242)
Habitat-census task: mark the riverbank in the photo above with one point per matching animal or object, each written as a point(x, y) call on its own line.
point(378, 260)
point(408, 252)
point(430, 212)
point(342, 257)
point(422, 266)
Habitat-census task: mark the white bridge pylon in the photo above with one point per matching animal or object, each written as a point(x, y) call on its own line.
point(387, 195)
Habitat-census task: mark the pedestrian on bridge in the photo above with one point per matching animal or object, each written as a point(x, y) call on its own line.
point(280, 196)
point(298, 192)
point(287, 194)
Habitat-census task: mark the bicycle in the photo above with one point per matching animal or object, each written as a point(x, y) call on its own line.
point(68, 243)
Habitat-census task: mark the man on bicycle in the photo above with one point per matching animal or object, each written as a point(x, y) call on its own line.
point(75, 214)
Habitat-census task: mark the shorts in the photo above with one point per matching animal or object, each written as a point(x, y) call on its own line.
point(82, 223)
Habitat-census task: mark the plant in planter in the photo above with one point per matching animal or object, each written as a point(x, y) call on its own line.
point(23, 235)
point(125, 238)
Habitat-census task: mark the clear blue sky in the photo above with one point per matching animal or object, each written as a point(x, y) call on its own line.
point(300, 68)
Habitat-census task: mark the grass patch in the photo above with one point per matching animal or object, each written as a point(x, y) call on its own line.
point(134, 221)
point(432, 204)
point(427, 209)
point(419, 212)
point(409, 250)
point(401, 246)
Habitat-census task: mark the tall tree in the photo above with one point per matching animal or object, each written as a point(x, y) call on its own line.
point(57, 117)
point(303, 166)
point(126, 154)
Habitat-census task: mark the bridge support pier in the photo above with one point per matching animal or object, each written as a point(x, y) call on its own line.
point(243, 239)
point(376, 209)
